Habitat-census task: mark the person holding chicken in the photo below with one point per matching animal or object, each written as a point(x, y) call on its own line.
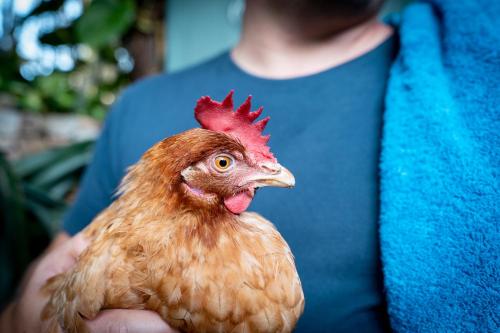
point(334, 79)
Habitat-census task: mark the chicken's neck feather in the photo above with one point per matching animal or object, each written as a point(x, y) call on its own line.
point(153, 190)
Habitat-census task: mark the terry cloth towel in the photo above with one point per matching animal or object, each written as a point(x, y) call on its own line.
point(440, 170)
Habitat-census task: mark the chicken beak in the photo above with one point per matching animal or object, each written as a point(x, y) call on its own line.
point(273, 174)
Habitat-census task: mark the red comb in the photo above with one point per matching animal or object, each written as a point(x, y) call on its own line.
point(220, 117)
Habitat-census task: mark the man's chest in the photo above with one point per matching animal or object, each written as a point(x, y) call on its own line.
point(333, 155)
point(330, 218)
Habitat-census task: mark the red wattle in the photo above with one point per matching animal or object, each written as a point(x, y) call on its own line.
point(238, 203)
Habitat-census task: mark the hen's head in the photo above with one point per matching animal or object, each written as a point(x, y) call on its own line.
point(220, 165)
point(232, 171)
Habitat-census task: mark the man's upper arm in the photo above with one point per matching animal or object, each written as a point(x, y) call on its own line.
point(101, 177)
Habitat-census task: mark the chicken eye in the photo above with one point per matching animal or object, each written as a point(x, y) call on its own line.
point(223, 162)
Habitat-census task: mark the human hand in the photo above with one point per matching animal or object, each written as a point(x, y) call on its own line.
point(118, 321)
point(23, 315)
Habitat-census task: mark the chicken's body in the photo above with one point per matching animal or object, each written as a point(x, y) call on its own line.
point(245, 281)
point(171, 243)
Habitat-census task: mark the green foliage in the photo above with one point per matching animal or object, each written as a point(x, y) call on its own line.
point(49, 176)
point(104, 22)
point(13, 241)
point(93, 84)
point(33, 193)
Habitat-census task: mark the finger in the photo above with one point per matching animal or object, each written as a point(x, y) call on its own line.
point(118, 321)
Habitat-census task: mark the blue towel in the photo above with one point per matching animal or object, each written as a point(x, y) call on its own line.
point(440, 170)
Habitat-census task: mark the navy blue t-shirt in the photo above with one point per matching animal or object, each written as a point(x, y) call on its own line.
point(325, 128)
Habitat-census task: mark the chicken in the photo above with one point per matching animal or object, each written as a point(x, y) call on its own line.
point(178, 241)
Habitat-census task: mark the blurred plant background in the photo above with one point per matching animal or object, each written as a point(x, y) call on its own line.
point(62, 64)
point(74, 55)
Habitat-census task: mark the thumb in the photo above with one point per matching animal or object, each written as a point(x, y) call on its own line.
point(77, 244)
point(67, 253)
point(118, 321)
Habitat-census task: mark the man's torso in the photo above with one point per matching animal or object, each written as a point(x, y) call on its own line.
point(326, 129)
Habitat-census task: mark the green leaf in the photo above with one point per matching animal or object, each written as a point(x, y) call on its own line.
point(19, 88)
point(53, 84)
point(31, 101)
point(30, 165)
point(65, 100)
point(62, 169)
point(35, 194)
point(98, 112)
point(50, 218)
point(34, 163)
point(104, 21)
point(59, 190)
